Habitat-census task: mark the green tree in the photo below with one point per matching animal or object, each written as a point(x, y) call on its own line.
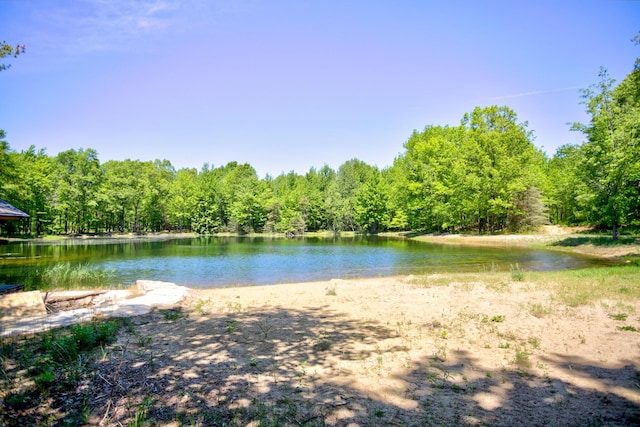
point(502, 165)
point(34, 188)
point(565, 186)
point(78, 178)
point(428, 181)
point(121, 192)
point(370, 205)
point(611, 154)
point(341, 194)
point(183, 198)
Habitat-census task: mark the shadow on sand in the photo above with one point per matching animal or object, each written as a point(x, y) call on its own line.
point(279, 366)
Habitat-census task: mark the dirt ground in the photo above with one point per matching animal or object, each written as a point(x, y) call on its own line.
point(387, 351)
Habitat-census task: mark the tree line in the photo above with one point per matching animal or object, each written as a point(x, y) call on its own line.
point(483, 175)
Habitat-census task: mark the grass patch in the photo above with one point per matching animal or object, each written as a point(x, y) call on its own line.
point(538, 310)
point(596, 241)
point(517, 274)
point(65, 275)
point(587, 286)
point(619, 316)
point(38, 370)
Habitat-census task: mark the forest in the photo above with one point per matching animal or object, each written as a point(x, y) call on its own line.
point(484, 175)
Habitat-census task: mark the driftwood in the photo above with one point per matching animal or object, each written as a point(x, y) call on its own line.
point(54, 297)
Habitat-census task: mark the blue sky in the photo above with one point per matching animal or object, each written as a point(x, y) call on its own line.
point(287, 85)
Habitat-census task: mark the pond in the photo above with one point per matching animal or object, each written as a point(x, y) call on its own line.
point(231, 261)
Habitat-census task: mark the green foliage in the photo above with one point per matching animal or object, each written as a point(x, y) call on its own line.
point(605, 170)
point(483, 175)
point(8, 50)
point(67, 275)
point(516, 272)
point(48, 365)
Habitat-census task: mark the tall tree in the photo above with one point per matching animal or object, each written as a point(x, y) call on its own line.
point(611, 153)
point(78, 178)
point(502, 165)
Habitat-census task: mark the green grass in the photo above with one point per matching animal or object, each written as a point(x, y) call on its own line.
point(40, 368)
point(589, 285)
point(620, 284)
point(65, 275)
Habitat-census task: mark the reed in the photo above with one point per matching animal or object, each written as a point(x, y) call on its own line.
point(66, 275)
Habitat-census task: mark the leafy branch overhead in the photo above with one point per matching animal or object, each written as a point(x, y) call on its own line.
point(6, 50)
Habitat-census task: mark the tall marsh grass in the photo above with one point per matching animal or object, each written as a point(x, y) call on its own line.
point(69, 276)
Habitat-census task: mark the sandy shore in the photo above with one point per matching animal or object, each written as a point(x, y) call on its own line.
point(387, 351)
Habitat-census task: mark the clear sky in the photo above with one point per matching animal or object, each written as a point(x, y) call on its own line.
point(287, 85)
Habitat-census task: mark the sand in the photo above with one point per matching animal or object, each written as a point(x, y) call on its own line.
point(386, 351)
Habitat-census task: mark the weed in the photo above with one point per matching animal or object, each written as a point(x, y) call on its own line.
point(172, 315)
point(231, 326)
point(516, 273)
point(539, 311)
point(141, 413)
point(619, 316)
point(143, 341)
point(53, 364)
point(441, 353)
point(19, 400)
point(233, 306)
point(498, 319)
point(302, 373)
point(628, 328)
point(534, 342)
point(199, 306)
point(265, 327)
point(46, 378)
point(522, 357)
point(331, 291)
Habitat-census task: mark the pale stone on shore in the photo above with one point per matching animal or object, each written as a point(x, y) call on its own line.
point(25, 312)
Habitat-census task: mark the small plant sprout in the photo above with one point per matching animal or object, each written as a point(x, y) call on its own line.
point(199, 306)
point(498, 318)
point(173, 314)
point(265, 327)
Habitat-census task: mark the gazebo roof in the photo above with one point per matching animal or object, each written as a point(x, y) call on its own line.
point(9, 213)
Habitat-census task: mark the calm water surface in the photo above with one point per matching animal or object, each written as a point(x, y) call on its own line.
point(216, 261)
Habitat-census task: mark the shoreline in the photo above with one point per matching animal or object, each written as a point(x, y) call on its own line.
point(484, 348)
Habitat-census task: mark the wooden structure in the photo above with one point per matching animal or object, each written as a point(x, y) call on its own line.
point(11, 289)
point(10, 213)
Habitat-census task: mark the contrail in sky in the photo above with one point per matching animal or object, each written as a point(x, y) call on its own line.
point(536, 92)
